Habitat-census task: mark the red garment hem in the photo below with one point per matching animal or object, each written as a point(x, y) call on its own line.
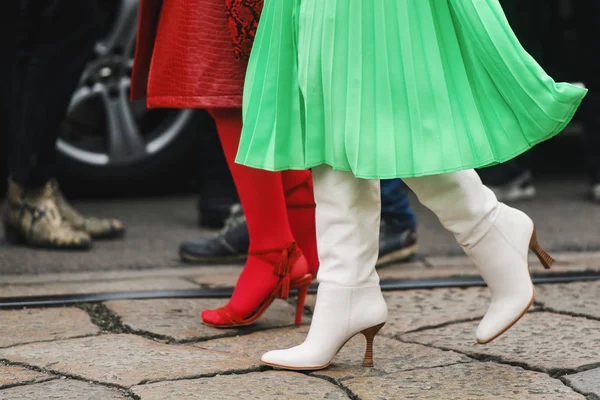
point(194, 102)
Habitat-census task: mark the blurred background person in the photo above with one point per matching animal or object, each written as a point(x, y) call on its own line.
point(397, 236)
point(47, 50)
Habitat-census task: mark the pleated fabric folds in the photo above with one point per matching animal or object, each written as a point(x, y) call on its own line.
point(394, 88)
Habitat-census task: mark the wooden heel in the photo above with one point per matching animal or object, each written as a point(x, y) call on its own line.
point(303, 286)
point(369, 334)
point(544, 257)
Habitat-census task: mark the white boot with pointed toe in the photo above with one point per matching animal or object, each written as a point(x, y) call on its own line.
point(496, 238)
point(349, 299)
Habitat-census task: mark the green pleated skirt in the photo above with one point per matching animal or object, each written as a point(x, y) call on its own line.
point(394, 88)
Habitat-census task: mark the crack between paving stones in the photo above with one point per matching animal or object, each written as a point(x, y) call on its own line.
point(51, 340)
point(61, 375)
point(588, 396)
point(553, 373)
point(110, 322)
point(567, 313)
point(448, 323)
point(428, 327)
point(28, 383)
point(231, 333)
point(351, 395)
point(103, 317)
point(383, 373)
point(242, 371)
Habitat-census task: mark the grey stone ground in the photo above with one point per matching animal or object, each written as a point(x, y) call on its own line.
point(159, 350)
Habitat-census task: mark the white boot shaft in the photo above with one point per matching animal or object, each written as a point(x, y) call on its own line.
point(494, 236)
point(349, 298)
point(348, 216)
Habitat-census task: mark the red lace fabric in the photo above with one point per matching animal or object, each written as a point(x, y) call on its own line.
point(243, 21)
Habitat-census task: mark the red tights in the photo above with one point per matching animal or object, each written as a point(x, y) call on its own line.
point(279, 209)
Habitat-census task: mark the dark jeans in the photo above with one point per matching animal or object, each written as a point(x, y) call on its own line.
point(47, 50)
point(395, 206)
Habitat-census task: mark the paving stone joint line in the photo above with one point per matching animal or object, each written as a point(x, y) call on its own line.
point(555, 373)
point(351, 395)
point(588, 396)
point(27, 383)
point(63, 375)
point(103, 317)
point(242, 371)
point(50, 340)
point(552, 310)
point(431, 327)
point(110, 322)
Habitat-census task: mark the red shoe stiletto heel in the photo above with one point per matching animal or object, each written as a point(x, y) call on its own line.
point(231, 319)
point(303, 285)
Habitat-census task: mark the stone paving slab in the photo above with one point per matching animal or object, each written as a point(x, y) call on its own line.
point(417, 309)
point(482, 381)
point(125, 360)
point(541, 340)
point(579, 298)
point(180, 318)
point(42, 324)
point(63, 389)
point(269, 385)
point(96, 287)
point(390, 355)
point(13, 375)
point(587, 382)
point(421, 308)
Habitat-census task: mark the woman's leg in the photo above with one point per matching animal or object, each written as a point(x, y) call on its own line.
point(262, 198)
point(349, 299)
point(494, 236)
point(300, 202)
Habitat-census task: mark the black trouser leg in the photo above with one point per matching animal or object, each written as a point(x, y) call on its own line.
point(54, 40)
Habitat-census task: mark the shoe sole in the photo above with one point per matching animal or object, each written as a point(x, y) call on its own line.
point(401, 255)
point(298, 368)
point(211, 260)
point(512, 323)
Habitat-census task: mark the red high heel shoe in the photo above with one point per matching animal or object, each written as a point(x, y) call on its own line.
point(283, 269)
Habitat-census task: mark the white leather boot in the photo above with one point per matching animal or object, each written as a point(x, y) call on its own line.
point(349, 299)
point(494, 236)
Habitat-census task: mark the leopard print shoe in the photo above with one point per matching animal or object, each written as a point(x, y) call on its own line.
point(97, 228)
point(32, 218)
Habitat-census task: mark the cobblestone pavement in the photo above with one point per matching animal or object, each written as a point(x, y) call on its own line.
point(159, 350)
